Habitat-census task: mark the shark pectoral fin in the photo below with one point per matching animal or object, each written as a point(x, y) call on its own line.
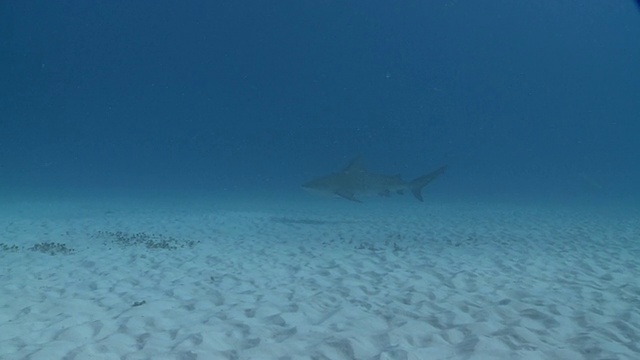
point(418, 184)
point(349, 195)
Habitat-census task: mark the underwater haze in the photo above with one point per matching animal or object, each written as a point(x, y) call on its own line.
point(319, 180)
point(522, 100)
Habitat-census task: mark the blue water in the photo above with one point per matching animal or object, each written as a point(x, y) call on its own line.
point(523, 100)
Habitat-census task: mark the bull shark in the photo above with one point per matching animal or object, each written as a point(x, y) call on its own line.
point(355, 180)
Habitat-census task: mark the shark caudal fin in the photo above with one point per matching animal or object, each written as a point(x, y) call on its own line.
point(418, 184)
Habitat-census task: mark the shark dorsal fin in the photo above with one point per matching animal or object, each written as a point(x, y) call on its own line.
point(355, 166)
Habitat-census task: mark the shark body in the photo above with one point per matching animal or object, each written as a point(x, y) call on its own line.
point(355, 180)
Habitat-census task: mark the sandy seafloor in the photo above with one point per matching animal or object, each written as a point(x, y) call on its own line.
point(318, 279)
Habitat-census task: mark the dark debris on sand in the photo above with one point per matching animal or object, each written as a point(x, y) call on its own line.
point(119, 238)
point(9, 248)
point(147, 240)
point(52, 248)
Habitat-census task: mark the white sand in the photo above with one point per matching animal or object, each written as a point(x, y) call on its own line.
point(321, 280)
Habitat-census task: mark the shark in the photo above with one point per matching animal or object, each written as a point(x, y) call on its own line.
point(354, 180)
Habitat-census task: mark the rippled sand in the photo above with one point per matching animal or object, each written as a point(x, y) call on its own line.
point(386, 280)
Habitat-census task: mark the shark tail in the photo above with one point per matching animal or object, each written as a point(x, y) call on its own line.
point(418, 184)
